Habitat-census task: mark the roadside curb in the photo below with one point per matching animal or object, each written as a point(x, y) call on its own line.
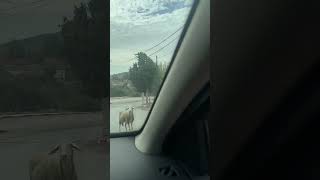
point(43, 114)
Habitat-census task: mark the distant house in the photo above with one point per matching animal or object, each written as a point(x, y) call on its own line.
point(60, 75)
point(60, 66)
point(62, 70)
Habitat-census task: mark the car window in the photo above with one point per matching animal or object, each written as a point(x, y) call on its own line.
point(144, 35)
point(53, 80)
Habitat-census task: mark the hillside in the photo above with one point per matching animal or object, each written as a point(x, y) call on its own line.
point(120, 76)
point(32, 48)
point(120, 85)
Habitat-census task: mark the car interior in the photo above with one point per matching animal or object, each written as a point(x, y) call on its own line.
point(266, 70)
point(174, 141)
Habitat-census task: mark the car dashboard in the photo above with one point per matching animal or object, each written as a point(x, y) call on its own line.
point(127, 162)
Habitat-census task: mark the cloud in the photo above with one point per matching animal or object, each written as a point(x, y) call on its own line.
point(137, 25)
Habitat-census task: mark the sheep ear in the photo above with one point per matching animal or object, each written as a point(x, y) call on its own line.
point(54, 150)
point(75, 146)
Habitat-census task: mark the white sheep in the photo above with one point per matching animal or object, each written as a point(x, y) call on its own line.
point(57, 164)
point(130, 119)
point(126, 119)
point(123, 119)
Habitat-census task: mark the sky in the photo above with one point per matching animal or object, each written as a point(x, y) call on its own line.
point(26, 18)
point(137, 25)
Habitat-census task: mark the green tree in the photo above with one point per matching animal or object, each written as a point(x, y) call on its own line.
point(98, 42)
point(143, 73)
point(85, 45)
point(161, 69)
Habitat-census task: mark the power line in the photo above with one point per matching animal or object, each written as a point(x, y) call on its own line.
point(158, 45)
point(164, 46)
point(155, 51)
point(164, 39)
point(166, 52)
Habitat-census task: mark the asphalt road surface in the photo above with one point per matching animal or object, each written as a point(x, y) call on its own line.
point(22, 137)
point(119, 104)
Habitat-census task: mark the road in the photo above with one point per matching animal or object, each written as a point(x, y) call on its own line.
point(22, 137)
point(119, 104)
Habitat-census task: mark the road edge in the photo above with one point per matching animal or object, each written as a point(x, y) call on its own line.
point(43, 114)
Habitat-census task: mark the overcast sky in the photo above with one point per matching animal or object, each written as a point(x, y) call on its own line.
point(137, 25)
point(26, 18)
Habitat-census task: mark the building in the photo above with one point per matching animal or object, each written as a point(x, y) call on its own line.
point(59, 67)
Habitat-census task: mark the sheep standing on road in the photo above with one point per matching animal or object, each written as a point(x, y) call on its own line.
point(126, 119)
point(123, 119)
point(57, 164)
point(131, 118)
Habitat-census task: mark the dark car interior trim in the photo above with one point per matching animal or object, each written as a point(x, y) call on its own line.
point(188, 138)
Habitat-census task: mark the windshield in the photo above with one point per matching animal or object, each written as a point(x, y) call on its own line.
point(144, 35)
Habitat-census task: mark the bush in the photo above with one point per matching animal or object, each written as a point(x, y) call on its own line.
point(16, 98)
point(118, 91)
point(32, 94)
point(69, 99)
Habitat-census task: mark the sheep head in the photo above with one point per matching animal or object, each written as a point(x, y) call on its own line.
point(65, 154)
point(65, 149)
